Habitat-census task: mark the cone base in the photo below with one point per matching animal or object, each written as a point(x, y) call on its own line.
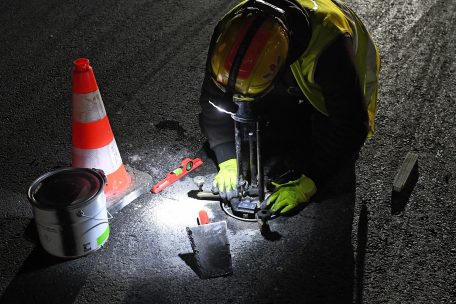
point(141, 182)
point(118, 182)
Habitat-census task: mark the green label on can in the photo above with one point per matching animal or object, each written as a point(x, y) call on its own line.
point(102, 238)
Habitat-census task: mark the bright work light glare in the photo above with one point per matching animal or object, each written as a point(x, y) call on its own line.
point(176, 213)
point(220, 108)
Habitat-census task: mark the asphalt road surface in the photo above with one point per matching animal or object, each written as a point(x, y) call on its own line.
point(148, 58)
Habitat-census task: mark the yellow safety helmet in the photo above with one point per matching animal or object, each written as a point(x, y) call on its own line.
point(248, 52)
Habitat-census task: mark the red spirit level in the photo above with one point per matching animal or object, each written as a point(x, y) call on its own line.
point(187, 165)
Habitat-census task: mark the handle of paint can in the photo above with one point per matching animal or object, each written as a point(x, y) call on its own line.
point(102, 174)
point(81, 214)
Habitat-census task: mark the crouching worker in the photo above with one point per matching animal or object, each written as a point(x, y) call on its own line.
point(310, 70)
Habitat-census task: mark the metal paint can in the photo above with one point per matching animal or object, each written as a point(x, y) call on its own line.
point(69, 206)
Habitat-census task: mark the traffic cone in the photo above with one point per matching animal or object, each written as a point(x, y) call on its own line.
point(93, 142)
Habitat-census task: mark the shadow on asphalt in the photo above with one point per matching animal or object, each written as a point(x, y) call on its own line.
point(360, 254)
point(43, 278)
point(190, 259)
point(331, 271)
point(324, 272)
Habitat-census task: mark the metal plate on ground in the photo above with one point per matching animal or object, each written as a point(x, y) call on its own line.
point(409, 165)
point(212, 249)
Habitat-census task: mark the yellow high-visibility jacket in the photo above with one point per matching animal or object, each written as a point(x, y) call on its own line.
point(329, 19)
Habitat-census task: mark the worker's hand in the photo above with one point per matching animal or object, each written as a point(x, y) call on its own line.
point(225, 180)
point(288, 196)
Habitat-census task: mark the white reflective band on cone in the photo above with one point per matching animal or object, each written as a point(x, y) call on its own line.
point(88, 107)
point(106, 158)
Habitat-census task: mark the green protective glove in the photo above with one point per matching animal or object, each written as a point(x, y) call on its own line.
point(226, 179)
point(288, 196)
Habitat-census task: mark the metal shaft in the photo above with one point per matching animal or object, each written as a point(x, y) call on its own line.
point(260, 177)
point(238, 142)
point(253, 170)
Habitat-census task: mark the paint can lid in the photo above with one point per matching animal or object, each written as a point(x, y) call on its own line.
point(66, 188)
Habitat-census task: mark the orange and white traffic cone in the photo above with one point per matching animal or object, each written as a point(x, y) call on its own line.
point(94, 145)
